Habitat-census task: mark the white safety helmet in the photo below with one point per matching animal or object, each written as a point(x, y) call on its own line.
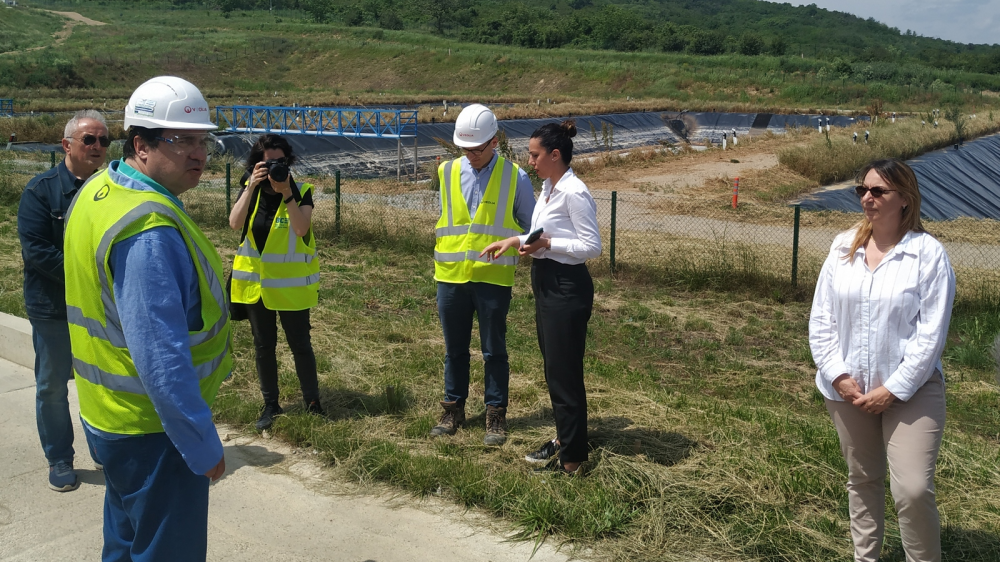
point(168, 102)
point(476, 124)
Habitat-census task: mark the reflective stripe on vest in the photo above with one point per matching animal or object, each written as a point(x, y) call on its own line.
point(285, 273)
point(125, 383)
point(461, 238)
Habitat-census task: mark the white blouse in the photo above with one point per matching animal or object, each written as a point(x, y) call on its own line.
point(568, 214)
point(885, 327)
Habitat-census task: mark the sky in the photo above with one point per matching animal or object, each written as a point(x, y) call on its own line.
point(964, 21)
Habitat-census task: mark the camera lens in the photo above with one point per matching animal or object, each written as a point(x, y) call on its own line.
point(277, 170)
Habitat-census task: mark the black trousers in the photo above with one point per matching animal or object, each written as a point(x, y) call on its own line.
point(295, 323)
point(564, 299)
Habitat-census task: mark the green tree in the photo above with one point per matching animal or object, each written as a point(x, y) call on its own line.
point(777, 46)
point(319, 10)
point(750, 44)
point(708, 43)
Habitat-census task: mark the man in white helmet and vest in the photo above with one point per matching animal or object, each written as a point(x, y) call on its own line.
point(484, 198)
point(149, 328)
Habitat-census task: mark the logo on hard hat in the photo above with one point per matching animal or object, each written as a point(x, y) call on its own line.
point(189, 109)
point(144, 107)
point(465, 135)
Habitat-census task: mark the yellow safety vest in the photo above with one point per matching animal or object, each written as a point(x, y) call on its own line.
point(286, 273)
point(112, 397)
point(461, 238)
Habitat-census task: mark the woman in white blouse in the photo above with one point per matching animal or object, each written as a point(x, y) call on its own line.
point(878, 326)
point(564, 291)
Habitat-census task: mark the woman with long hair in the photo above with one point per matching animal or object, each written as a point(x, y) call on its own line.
point(276, 270)
point(563, 289)
point(879, 321)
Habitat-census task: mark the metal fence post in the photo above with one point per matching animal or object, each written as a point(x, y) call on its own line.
point(229, 207)
point(336, 220)
point(52, 158)
point(614, 220)
point(795, 248)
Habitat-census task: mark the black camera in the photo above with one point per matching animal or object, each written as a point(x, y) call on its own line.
point(277, 170)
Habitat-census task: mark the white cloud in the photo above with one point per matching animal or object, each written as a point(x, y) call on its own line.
point(964, 21)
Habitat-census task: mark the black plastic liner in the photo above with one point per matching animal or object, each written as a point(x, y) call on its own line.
point(953, 183)
point(378, 157)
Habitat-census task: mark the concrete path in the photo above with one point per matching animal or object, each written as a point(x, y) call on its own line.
point(274, 503)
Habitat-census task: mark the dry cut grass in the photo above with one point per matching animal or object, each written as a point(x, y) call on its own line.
point(841, 158)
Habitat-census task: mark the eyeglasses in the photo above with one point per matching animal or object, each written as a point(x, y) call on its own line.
point(875, 191)
point(186, 144)
point(476, 152)
point(89, 140)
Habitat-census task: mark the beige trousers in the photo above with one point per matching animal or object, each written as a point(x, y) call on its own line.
point(909, 435)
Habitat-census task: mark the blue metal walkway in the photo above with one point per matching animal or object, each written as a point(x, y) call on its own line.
point(319, 121)
point(7, 107)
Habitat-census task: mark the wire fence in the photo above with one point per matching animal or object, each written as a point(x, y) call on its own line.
point(785, 249)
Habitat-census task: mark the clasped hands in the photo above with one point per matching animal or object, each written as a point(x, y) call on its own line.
point(875, 402)
point(499, 248)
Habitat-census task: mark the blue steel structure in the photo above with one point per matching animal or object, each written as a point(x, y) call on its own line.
point(319, 121)
point(7, 107)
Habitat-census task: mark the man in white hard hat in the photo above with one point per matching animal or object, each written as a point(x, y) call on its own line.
point(484, 198)
point(149, 327)
point(40, 219)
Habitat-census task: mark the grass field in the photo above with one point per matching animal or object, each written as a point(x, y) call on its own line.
point(252, 57)
point(708, 438)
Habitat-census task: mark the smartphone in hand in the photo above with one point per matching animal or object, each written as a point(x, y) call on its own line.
point(534, 236)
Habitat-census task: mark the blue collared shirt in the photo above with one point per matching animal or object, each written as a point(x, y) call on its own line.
point(474, 186)
point(156, 290)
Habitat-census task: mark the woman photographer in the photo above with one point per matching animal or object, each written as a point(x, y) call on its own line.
point(877, 329)
point(276, 270)
point(563, 289)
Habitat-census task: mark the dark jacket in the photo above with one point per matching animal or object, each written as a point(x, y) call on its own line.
point(40, 223)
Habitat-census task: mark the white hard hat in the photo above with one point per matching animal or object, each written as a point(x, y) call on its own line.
point(168, 102)
point(476, 124)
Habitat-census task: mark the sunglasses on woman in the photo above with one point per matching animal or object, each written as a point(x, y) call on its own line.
point(875, 191)
point(89, 140)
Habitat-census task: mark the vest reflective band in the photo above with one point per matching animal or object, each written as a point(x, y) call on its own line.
point(286, 273)
point(112, 396)
point(461, 238)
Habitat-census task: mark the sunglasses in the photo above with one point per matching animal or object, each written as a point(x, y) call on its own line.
point(89, 140)
point(875, 191)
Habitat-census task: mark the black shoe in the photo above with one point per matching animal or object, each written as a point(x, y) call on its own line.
point(555, 466)
point(547, 451)
point(267, 416)
point(314, 407)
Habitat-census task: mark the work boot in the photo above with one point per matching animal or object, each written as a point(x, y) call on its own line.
point(453, 416)
point(496, 426)
point(267, 415)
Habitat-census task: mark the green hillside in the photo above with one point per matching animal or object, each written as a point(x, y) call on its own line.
point(739, 55)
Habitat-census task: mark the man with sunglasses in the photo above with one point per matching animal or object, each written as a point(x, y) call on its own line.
point(484, 198)
point(149, 326)
point(40, 220)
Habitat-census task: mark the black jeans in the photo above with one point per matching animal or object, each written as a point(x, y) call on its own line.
point(295, 323)
point(564, 299)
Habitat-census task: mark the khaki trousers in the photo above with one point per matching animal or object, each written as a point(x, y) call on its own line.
point(908, 434)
